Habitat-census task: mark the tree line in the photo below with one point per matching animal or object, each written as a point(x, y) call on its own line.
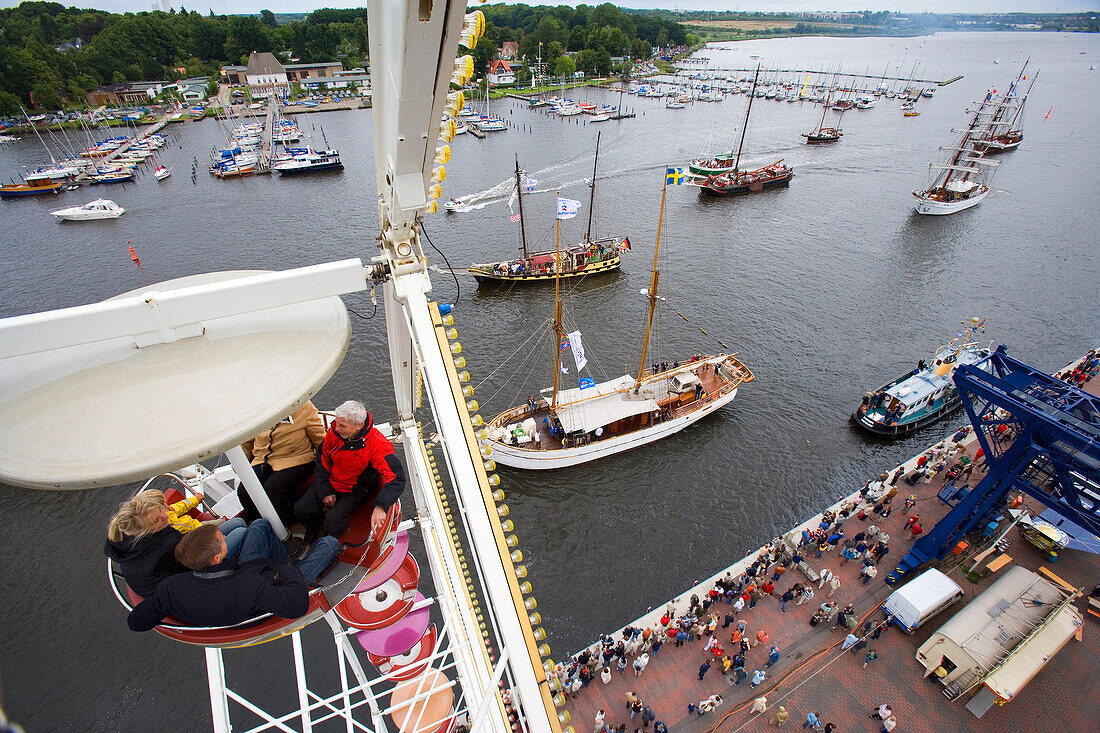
point(41, 67)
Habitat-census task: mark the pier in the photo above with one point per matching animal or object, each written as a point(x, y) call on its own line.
point(815, 674)
point(84, 176)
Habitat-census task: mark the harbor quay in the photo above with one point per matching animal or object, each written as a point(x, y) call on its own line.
point(815, 672)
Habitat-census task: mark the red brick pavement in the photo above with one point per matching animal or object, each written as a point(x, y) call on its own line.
point(813, 676)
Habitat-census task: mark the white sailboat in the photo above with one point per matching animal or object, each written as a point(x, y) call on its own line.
point(568, 427)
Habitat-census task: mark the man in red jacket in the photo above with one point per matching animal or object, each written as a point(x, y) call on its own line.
point(355, 465)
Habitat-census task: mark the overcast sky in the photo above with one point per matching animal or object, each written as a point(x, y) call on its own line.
point(940, 6)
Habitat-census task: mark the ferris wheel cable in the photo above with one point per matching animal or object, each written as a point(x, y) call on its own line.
point(458, 289)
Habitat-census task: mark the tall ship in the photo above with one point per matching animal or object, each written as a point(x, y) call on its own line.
point(590, 256)
point(961, 181)
point(571, 426)
point(723, 173)
point(1006, 129)
point(923, 395)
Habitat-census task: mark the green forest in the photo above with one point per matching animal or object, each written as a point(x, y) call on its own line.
point(41, 67)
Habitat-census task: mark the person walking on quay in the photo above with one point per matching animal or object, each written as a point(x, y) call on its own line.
point(575, 686)
point(826, 576)
point(600, 727)
point(761, 638)
point(868, 573)
point(785, 599)
point(780, 717)
point(830, 727)
point(640, 664)
point(657, 644)
point(605, 675)
point(849, 642)
point(806, 595)
point(647, 716)
point(703, 668)
point(758, 677)
point(773, 656)
point(889, 724)
point(760, 704)
point(882, 712)
point(872, 655)
point(812, 721)
point(834, 583)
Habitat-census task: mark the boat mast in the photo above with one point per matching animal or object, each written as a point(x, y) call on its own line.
point(1020, 108)
point(557, 315)
point(824, 109)
point(592, 196)
point(744, 127)
point(653, 284)
point(519, 195)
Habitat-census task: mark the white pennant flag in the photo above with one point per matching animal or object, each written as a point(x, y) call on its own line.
point(578, 349)
point(567, 208)
point(564, 369)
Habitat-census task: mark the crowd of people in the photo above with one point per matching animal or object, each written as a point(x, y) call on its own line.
point(849, 533)
point(222, 572)
point(1085, 370)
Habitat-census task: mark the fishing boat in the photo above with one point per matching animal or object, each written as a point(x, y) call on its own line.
point(960, 182)
point(162, 172)
point(724, 174)
point(311, 162)
point(921, 396)
point(571, 426)
point(30, 188)
point(590, 256)
point(98, 209)
point(823, 134)
point(1006, 128)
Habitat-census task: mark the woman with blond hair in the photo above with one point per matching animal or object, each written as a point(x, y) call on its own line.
point(143, 534)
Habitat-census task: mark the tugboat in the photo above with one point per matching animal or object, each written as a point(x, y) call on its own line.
point(924, 395)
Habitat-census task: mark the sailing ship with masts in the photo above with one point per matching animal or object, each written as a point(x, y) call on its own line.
point(724, 176)
point(570, 426)
point(588, 257)
point(1006, 128)
point(961, 181)
point(822, 134)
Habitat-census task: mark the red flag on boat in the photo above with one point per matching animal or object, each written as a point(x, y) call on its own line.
point(515, 218)
point(625, 245)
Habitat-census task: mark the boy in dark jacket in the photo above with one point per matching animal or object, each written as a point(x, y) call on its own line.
point(223, 592)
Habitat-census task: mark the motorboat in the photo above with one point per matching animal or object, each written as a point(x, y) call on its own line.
point(921, 396)
point(161, 172)
point(315, 160)
point(98, 209)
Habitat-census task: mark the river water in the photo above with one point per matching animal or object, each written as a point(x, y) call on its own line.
point(826, 289)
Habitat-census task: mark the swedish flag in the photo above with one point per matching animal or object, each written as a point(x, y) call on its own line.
point(674, 177)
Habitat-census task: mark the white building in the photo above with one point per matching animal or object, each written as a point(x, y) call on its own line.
point(501, 73)
point(264, 73)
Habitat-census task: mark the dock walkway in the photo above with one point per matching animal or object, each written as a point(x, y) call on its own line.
point(814, 674)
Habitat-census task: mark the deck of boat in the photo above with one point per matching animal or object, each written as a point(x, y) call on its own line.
point(813, 674)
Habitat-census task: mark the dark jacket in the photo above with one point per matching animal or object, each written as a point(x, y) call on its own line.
point(225, 594)
point(146, 561)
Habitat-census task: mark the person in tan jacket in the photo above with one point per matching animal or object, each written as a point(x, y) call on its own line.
point(283, 457)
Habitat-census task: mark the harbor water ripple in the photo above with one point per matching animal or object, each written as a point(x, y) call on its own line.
point(825, 289)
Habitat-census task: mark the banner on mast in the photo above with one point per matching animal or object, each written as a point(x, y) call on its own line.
point(578, 349)
point(567, 208)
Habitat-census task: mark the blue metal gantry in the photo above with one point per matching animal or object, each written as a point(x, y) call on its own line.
point(1040, 436)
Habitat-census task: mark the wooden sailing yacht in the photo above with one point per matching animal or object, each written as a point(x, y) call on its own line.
point(724, 175)
point(1006, 131)
point(960, 183)
point(567, 427)
point(588, 257)
point(823, 134)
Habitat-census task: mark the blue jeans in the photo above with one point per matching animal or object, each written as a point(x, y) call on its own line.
point(261, 543)
point(234, 531)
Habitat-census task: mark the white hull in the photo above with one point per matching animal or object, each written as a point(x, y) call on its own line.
point(98, 209)
point(538, 460)
point(940, 208)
